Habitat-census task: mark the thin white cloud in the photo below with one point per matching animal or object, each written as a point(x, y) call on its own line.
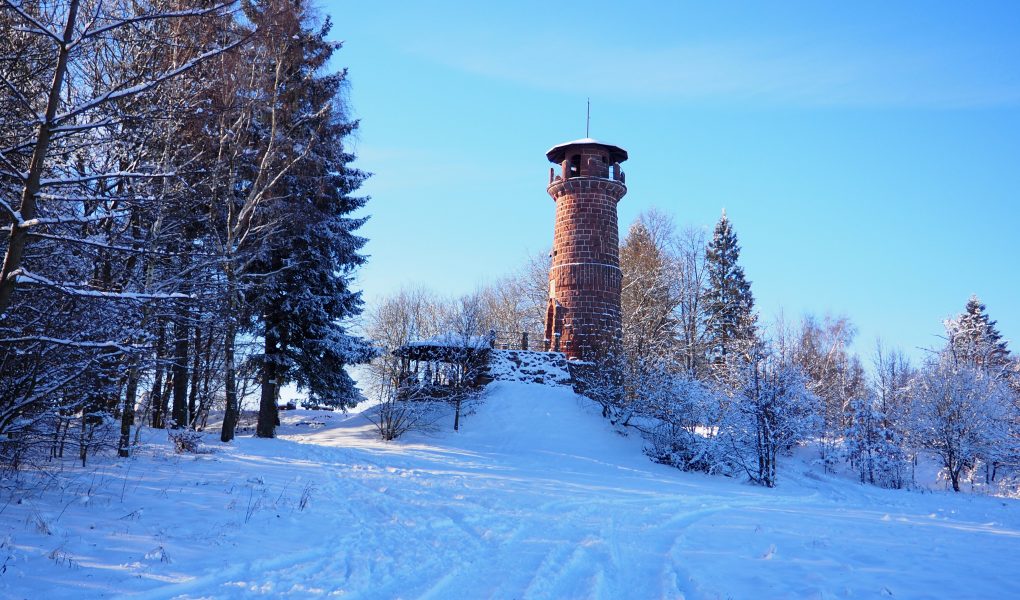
point(770, 72)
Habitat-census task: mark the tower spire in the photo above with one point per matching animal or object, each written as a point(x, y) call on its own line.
point(587, 123)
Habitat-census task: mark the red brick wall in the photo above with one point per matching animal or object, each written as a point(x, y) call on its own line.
point(586, 257)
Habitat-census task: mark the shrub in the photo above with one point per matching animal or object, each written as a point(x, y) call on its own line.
point(185, 441)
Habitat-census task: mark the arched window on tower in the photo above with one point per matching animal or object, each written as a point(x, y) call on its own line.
point(575, 165)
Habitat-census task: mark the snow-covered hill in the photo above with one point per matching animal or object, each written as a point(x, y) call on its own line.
point(536, 497)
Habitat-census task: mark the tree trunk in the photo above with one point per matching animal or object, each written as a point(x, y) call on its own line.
point(127, 417)
point(230, 417)
point(231, 414)
point(195, 380)
point(156, 395)
point(27, 209)
point(205, 402)
point(954, 467)
point(268, 416)
point(180, 373)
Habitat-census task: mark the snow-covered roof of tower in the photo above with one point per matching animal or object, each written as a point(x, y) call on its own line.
point(556, 153)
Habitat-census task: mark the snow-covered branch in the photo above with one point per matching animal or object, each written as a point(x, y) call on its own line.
point(77, 220)
point(15, 215)
point(16, 92)
point(105, 246)
point(89, 33)
point(59, 181)
point(24, 276)
point(133, 90)
point(37, 27)
point(70, 343)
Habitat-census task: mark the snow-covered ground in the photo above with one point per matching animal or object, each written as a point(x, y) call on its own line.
point(536, 497)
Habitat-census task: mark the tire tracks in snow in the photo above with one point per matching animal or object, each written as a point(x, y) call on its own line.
point(430, 525)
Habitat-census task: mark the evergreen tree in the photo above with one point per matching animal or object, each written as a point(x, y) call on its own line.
point(307, 267)
point(974, 340)
point(874, 446)
point(730, 321)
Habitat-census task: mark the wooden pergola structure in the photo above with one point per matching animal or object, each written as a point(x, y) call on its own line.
point(440, 366)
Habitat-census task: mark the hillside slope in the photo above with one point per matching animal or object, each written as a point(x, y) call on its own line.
point(536, 497)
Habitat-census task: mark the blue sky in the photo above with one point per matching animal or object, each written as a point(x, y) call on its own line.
point(868, 153)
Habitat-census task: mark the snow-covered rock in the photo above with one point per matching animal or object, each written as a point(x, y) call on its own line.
point(527, 366)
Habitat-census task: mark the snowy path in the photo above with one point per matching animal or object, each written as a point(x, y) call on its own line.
point(535, 498)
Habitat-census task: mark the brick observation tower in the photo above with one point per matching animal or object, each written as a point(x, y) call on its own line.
point(585, 278)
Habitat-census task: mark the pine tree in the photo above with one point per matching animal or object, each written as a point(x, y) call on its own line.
point(874, 446)
point(731, 321)
point(308, 265)
point(974, 340)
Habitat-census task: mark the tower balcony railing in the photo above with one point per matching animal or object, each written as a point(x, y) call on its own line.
point(522, 340)
point(572, 171)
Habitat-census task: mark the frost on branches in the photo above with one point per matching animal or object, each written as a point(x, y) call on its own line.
point(739, 431)
point(92, 98)
point(966, 410)
point(772, 412)
point(175, 188)
point(964, 416)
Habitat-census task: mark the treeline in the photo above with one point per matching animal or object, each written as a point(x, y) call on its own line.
point(715, 390)
point(176, 193)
